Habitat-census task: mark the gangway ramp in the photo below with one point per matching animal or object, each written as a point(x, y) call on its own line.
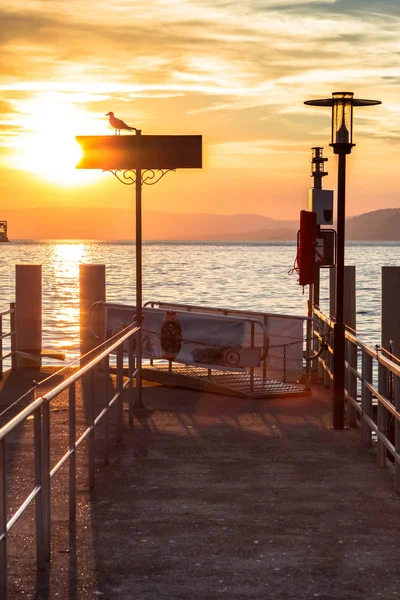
point(241, 385)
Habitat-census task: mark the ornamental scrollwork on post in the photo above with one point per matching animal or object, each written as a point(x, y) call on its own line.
point(127, 177)
point(148, 176)
point(153, 176)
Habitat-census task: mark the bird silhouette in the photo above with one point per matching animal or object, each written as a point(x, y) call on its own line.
point(118, 124)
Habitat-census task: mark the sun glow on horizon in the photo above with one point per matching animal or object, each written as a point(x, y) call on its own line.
point(48, 146)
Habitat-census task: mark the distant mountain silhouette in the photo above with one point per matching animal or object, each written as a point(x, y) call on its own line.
point(282, 234)
point(77, 222)
point(379, 225)
point(66, 222)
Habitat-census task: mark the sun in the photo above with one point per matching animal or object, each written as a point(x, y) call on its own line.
point(48, 146)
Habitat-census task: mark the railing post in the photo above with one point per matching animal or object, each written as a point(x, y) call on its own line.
point(13, 337)
point(309, 332)
point(328, 337)
point(46, 482)
point(252, 368)
point(106, 367)
point(382, 415)
point(72, 449)
point(3, 520)
point(39, 508)
point(366, 398)
point(352, 381)
point(320, 368)
point(1, 347)
point(120, 392)
point(131, 368)
point(397, 434)
point(264, 363)
point(91, 436)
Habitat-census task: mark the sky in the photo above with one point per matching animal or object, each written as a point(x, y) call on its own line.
point(236, 73)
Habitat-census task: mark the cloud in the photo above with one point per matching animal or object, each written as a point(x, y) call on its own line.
point(258, 59)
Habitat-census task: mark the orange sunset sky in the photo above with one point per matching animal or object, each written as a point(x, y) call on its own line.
point(236, 73)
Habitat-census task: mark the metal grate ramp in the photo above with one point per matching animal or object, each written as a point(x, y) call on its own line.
point(220, 382)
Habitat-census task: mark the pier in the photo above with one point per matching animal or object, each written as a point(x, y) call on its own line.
point(174, 492)
point(209, 496)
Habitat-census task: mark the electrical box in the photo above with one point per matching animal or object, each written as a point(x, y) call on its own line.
point(321, 202)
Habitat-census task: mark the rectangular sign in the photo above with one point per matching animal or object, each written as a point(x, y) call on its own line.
point(325, 248)
point(208, 341)
point(112, 152)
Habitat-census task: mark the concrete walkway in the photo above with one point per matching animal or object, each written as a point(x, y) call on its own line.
point(214, 497)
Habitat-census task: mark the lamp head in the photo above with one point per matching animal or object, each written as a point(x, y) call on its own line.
point(342, 118)
point(342, 122)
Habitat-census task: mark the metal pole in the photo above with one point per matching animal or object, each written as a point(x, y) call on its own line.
point(397, 434)
point(3, 520)
point(339, 328)
point(39, 511)
point(120, 391)
point(13, 337)
point(131, 369)
point(72, 449)
point(106, 363)
point(46, 481)
point(309, 333)
point(139, 301)
point(91, 436)
point(1, 347)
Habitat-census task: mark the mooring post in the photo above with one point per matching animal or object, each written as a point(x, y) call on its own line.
point(390, 341)
point(349, 319)
point(92, 280)
point(28, 315)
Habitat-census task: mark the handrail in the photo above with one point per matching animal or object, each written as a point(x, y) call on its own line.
point(30, 409)
point(40, 409)
point(6, 312)
point(387, 363)
point(9, 334)
point(385, 396)
point(225, 310)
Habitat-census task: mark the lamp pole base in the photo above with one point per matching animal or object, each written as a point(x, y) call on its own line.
point(338, 376)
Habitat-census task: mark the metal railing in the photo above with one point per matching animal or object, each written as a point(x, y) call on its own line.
point(257, 337)
point(39, 409)
point(372, 392)
point(8, 334)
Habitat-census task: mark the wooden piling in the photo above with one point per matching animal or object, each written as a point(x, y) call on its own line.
point(28, 315)
point(92, 289)
point(390, 341)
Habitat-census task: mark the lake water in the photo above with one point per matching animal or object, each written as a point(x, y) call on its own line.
point(251, 276)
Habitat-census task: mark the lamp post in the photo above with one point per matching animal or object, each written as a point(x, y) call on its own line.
point(342, 104)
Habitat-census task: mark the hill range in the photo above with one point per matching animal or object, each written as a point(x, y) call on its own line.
point(95, 223)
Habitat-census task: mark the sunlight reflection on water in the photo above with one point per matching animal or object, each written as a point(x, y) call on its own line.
point(240, 275)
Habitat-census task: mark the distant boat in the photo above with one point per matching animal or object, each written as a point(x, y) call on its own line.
point(3, 232)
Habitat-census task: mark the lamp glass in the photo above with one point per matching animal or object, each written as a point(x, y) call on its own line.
point(342, 118)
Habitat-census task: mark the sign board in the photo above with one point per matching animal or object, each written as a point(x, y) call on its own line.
point(113, 152)
point(325, 248)
point(202, 340)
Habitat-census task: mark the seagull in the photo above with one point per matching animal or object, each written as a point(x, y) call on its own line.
point(118, 124)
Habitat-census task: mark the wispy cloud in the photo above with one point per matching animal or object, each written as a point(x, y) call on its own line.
point(260, 60)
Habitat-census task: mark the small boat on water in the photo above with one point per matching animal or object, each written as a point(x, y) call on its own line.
point(3, 232)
